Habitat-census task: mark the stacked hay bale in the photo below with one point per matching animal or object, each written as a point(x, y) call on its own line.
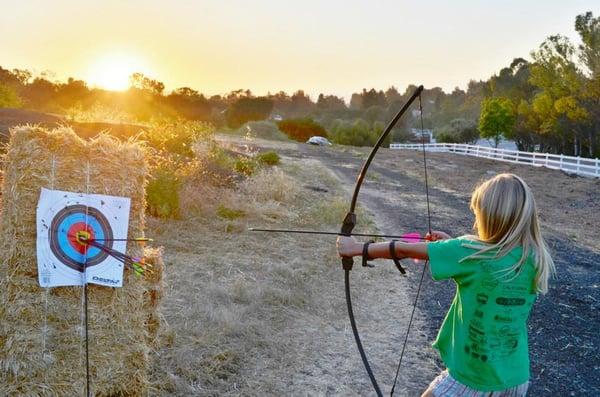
point(41, 345)
point(154, 292)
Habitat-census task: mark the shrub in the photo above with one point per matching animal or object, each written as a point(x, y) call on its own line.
point(358, 133)
point(162, 192)
point(229, 213)
point(458, 131)
point(301, 129)
point(9, 97)
point(268, 158)
point(177, 137)
point(245, 165)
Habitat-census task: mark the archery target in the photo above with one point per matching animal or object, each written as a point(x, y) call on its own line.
point(73, 222)
point(63, 219)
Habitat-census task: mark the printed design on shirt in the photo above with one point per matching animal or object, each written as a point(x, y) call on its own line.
point(494, 330)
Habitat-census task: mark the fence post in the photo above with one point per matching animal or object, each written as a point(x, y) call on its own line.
point(578, 161)
point(598, 167)
point(560, 164)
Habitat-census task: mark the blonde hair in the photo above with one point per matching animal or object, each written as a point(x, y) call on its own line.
point(506, 218)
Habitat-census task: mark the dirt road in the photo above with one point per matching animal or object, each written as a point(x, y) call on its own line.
point(564, 340)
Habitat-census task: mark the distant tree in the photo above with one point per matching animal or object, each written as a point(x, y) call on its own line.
point(39, 94)
point(8, 97)
point(189, 103)
point(73, 93)
point(330, 103)
point(301, 129)
point(248, 109)
point(497, 119)
point(300, 104)
point(588, 28)
point(141, 82)
point(356, 101)
point(357, 133)
point(458, 131)
point(234, 95)
point(392, 95)
point(558, 98)
point(372, 98)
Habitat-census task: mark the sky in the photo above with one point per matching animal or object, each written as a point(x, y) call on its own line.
point(330, 46)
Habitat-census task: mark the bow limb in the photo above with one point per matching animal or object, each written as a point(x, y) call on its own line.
point(350, 222)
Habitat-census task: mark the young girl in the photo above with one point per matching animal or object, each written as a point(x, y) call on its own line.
point(498, 274)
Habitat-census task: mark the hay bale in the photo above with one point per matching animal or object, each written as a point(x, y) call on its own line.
point(41, 345)
point(154, 292)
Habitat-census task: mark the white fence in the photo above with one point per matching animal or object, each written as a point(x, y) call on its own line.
point(575, 165)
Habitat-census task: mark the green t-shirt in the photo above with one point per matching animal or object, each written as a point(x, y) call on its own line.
point(483, 340)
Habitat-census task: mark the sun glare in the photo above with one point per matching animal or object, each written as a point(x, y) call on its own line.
point(112, 72)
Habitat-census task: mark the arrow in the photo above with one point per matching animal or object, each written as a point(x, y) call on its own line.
point(409, 237)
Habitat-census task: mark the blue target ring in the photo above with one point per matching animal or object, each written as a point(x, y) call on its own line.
point(63, 236)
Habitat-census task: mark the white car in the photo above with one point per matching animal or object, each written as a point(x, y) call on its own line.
point(319, 140)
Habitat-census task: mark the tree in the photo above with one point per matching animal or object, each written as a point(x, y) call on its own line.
point(141, 82)
point(248, 109)
point(497, 119)
point(588, 28)
point(330, 103)
point(458, 131)
point(189, 103)
point(8, 97)
point(357, 133)
point(560, 85)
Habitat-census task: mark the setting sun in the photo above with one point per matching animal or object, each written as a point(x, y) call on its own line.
point(112, 72)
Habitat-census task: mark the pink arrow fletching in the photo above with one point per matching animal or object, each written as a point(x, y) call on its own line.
point(411, 237)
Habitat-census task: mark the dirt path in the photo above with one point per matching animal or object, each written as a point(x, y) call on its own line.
point(563, 329)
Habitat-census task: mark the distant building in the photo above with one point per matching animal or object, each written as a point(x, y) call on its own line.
point(418, 135)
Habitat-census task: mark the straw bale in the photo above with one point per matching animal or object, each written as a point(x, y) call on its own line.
point(42, 350)
point(154, 292)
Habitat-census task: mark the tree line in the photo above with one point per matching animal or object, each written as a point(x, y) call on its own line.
point(549, 103)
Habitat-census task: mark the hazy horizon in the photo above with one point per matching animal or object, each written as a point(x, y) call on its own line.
point(219, 46)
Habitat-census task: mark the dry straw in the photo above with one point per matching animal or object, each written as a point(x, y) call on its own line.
point(40, 330)
point(154, 292)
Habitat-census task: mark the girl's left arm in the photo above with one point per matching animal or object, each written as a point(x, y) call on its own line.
point(349, 247)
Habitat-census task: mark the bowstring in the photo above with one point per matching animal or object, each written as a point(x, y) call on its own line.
point(412, 314)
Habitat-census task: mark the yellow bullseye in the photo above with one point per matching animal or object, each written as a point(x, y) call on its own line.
point(83, 236)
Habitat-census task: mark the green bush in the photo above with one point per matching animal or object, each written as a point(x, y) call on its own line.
point(268, 158)
point(229, 213)
point(357, 133)
point(9, 97)
point(177, 137)
point(162, 192)
point(301, 129)
point(245, 165)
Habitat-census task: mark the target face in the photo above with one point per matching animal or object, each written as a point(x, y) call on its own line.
point(64, 221)
point(68, 231)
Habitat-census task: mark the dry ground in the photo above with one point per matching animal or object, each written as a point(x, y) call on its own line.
point(264, 314)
